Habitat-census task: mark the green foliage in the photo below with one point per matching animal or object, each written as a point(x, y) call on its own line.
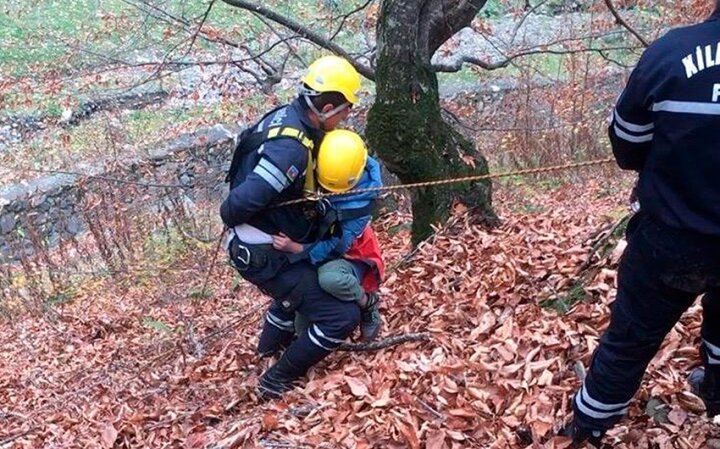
point(60, 298)
point(54, 110)
point(200, 293)
point(163, 248)
point(158, 325)
point(493, 8)
point(398, 228)
point(563, 303)
point(237, 280)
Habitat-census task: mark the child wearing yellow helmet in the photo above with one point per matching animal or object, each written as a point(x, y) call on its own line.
point(351, 263)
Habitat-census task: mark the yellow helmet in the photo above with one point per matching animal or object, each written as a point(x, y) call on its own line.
point(333, 74)
point(341, 160)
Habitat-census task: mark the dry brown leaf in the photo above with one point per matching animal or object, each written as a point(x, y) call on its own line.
point(270, 421)
point(108, 436)
point(383, 400)
point(357, 386)
point(410, 435)
point(435, 440)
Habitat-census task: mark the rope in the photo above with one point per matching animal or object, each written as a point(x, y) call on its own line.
point(439, 182)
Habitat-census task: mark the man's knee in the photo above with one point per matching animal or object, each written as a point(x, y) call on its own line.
point(344, 322)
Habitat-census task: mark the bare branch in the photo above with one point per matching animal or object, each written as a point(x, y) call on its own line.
point(522, 20)
point(445, 23)
point(345, 17)
point(268, 24)
point(11, 438)
point(622, 22)
point(385, 342)
point(299, 28)
point(458, 63)
point(199, 27)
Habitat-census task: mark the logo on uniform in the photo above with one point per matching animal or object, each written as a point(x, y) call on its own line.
point(292, 173)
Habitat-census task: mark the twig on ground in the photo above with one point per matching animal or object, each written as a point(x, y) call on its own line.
point(385, 342)
point(11, 438)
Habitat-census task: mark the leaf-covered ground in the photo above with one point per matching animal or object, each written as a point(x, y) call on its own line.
point(133, 364)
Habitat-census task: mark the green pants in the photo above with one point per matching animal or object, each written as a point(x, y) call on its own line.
point(338, 278)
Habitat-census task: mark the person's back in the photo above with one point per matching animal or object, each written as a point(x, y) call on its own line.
point(269, 167)
point(667, 126)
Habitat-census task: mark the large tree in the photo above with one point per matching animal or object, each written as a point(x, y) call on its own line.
point(405, 125)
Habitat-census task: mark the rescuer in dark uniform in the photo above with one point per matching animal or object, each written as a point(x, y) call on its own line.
point(273, 163)
point(666, 126)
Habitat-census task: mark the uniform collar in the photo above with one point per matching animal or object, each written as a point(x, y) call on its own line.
point(302, 113)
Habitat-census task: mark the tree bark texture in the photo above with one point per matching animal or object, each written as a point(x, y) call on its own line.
point(405, 126)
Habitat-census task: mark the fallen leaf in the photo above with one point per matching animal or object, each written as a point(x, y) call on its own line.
point(435, 440)
point(410, 435)
point(357, 387)
point(383, 400)
point(108, 436)
point(270, 421)
point(677, 416)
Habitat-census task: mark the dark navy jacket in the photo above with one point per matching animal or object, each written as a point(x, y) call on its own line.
point(666, 125)
point(273, 173)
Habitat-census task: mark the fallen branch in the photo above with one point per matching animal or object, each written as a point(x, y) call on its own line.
point(385, 342)
point(602, 237)
point(11, 438)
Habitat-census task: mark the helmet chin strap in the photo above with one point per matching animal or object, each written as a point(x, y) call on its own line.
point(324, 116)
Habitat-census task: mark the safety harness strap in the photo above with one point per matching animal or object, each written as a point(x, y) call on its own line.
point(250, 140)
point(331, 216)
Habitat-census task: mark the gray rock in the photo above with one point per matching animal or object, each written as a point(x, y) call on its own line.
point(7, 223)
point(37, 200)
point(74, 225)
point(186, 179)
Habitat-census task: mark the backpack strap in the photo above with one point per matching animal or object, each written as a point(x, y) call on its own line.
point(331, 216)
point(279, 132)
point(250, 140)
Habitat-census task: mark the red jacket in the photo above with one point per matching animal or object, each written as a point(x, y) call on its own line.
point(366, 249)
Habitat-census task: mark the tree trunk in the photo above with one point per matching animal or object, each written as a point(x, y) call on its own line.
point(405, 126)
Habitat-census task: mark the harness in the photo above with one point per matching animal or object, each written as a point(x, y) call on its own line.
point(331, 216)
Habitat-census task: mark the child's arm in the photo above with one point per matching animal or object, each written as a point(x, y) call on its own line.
point(335, 247)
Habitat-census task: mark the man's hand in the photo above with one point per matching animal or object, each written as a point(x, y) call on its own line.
point(282, 242)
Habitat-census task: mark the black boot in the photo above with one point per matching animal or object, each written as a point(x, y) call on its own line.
point(581, 435)
point(278, 379)
point(704, 387)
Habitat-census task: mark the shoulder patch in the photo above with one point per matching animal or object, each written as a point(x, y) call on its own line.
point(292, 173)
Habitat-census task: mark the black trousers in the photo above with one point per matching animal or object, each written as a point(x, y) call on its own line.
point(661, 274)
point(294, 287)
